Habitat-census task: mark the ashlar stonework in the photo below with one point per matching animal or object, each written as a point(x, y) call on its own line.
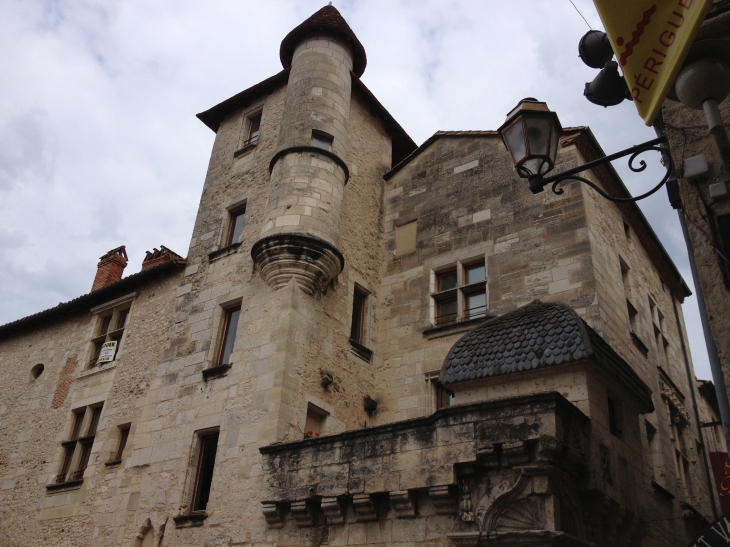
point(287, 382)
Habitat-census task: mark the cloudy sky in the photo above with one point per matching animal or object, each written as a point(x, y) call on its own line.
point(99, 144)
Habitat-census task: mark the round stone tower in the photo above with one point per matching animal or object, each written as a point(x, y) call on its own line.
point(308, 171)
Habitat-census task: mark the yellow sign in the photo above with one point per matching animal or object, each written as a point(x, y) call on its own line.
point(651, 39)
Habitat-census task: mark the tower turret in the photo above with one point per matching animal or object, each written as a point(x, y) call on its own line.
point(309, 170)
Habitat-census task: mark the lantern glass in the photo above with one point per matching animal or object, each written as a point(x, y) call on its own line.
point(515, 139)
point(531, 134)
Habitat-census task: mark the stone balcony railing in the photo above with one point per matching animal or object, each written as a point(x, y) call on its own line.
point(491, 469)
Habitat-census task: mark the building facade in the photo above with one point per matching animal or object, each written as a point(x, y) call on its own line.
point(369, 342)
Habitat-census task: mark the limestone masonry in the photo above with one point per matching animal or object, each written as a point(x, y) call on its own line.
point(369, 342)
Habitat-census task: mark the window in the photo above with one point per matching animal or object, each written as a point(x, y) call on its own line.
point(235, 225)
point(315, 421)
point(204, 470)
point(444, 397)
point(228, 338)
point(615, 417)
point(359, 304)
point(322, 140)
point(662, 344)
point(109, 332)
point(77, 449)
point(460, 293)
point(121, 444)
point(654, 459)
point(250, 132)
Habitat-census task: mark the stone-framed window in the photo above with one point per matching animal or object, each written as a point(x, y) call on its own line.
point(77, 447)
point(615, 416)
point(315, 421)
point(459, 292)
point(202, 467)
point(659, 326)
point(110, 323)
point(322, 140)
point(440, 396)
point(250, 131)
point(236, 220)
point(122, 438)
point(360, 323)
point(228, 335)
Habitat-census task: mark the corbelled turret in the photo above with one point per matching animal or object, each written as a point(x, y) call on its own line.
point(309, 171)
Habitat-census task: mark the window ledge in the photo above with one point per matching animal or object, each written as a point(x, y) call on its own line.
point(245, 149)
point(361, 351)
point(662, 490)
point(454, 328)
point(225, 251)
point(112, 463)
point(191, 520)
point(97, 369)
point(639, 344)
point(68, 485)
point(215, 372)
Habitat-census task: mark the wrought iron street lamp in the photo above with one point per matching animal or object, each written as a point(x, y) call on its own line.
point(531, 134)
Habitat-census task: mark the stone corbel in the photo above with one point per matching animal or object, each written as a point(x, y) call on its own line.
point(303, 513)
point(366, 508)
point(334, 509)
point(404, 504)
point(516, 453)
point(273, 513)
point(444, 502)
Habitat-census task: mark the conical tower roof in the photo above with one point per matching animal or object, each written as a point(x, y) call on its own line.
point(326, 21)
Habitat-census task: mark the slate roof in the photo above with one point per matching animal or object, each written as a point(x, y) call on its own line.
point(328, 21)
point(537, 335)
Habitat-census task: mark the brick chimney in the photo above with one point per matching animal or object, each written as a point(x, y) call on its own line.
point(156, 257)
point(110, 268)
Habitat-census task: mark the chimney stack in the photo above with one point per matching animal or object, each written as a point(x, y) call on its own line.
point(156, 257)
point(110, 268)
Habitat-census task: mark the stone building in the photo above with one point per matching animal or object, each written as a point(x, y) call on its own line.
point(369, 342)
point(703, 189)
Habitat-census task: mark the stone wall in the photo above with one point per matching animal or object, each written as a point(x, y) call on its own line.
point(37, 415)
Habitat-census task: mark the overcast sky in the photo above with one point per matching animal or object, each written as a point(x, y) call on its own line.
point(99, 144)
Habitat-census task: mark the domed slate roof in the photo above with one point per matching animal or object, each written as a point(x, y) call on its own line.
point(537, 335)
point(327, 21)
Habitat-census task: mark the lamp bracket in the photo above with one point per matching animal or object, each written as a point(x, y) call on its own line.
point(538, 182)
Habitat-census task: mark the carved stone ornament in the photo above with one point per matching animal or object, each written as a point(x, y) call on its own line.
point(334, 509)
point(365, 507)
point(444, 502)
point(273, 514)
point(404, 504)
point(466, 506)
point(311, 262)
point(680, 414)
point(303, 513)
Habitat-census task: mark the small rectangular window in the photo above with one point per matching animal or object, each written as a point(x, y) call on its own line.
point(122, 320)
point(359, 305)
point(204, 471)
point(254, 129)
point(322, 140)
point(614, 417)
point(105, 324)
point(235, 225)
point(315, 421)
point(123, 436)
point(444, 397)
point(228, 338)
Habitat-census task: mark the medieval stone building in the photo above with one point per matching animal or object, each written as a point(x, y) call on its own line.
point(369, 342)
